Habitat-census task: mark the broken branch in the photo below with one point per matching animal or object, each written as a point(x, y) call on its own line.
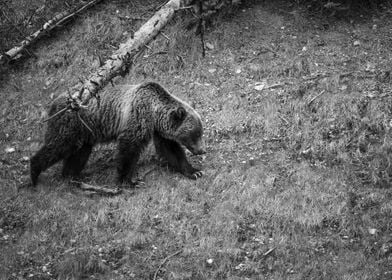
point(315, 97)
point(100, 189)
point(56, 21)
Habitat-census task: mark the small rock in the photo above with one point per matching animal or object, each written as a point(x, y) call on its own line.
point(270, 180)
point(25, 158)
point(259, 86)
point(374, 27)
point(343, 87)
point(209, 261)
point(370, 67)
point(209, 46)
point(9, 150)
point(238, 71)
point(356, 43)
point(372, 231)
point(304, 49)
point(48, 82)
point(212, 70)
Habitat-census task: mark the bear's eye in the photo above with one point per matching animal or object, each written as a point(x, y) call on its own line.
point(179, 114)
point(195, 134)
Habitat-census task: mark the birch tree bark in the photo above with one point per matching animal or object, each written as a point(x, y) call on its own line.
point(56, 21)
point(122, 59)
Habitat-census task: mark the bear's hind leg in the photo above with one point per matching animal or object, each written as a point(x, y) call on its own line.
point(175, 156)
point(75, 163)
point(42, 160)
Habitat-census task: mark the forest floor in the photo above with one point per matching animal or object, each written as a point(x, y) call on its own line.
point(297, 115)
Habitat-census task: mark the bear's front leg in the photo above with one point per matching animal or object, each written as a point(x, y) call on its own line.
point(175, 156)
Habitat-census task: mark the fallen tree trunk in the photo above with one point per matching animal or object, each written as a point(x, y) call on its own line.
point(56, 21)
point(120, 62)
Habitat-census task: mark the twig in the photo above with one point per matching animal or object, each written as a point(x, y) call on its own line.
point(274, 85)
point(284, 119)
point(58, 113)
point(164, 35)
point(84, 123)
point(269, 251)
point(186, 8)
point(164, 261)
point(100, 189)
point(131, 18)
point(317, 96)
point(269, 49)
point(155, 53)
point(201, 27)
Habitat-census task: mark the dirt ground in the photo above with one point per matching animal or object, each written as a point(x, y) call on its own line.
point(297, 117)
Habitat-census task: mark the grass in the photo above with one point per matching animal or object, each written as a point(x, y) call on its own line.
point(296, 181)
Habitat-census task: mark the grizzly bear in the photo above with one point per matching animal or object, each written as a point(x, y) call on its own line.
point(133, 116)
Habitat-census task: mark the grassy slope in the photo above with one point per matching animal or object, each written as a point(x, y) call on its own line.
point(307, 179)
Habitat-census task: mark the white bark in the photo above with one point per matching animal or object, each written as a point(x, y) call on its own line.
point(56, 21)
point(122, 59)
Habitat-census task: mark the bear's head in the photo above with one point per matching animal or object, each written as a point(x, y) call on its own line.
point(184, 126)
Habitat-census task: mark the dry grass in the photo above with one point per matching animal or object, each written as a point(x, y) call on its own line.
point(296, 182)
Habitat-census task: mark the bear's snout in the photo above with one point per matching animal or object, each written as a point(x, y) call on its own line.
point(199, 151)
point(197, 148)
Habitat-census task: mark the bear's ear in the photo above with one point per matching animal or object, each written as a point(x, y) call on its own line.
point(179, 114)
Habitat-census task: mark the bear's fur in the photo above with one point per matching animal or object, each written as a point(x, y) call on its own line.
point(132, 115)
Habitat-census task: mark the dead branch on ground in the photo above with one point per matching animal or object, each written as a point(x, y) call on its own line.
point(98, 189)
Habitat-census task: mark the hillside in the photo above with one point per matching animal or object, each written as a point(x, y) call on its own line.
point(297, 116)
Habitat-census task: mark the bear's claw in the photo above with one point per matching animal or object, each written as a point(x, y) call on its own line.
point(138, 183)
point(197, 174)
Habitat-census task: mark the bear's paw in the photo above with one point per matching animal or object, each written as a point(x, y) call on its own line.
point(196, 175)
